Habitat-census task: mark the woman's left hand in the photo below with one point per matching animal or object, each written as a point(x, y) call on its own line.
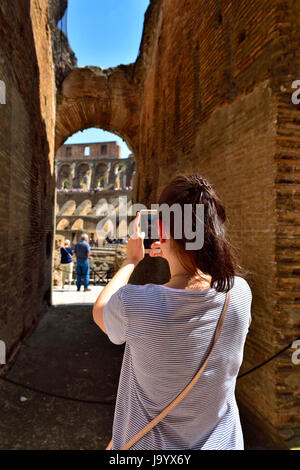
point(135, 247)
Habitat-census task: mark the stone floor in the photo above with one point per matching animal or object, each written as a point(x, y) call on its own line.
point(68, 354)
point(69, 295)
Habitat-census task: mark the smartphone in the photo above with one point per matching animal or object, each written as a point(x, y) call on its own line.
point(149, 225)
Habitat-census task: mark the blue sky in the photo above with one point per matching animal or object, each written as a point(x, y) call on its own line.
point(105, 33)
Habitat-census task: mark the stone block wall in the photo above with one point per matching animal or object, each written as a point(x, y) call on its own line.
point(26, 167)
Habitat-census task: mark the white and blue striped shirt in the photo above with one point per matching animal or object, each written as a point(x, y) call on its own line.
point(168, 333)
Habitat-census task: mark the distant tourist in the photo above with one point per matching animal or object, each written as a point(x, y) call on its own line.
point(66, 263)
point(82, 252)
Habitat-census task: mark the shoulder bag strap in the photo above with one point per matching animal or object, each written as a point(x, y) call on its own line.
point(66, 251)
point(178, 399)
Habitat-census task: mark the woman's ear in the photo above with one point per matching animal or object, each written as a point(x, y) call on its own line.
point(161, 232)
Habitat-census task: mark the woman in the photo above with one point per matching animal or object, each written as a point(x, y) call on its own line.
point(168, 330)
point(66, 263)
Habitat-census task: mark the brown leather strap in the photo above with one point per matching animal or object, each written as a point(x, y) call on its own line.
point(191, 384)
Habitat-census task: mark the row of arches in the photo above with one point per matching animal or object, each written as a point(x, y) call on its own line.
point(86, 207)
point(64, 224)
point(106, 227)
point(93, 175)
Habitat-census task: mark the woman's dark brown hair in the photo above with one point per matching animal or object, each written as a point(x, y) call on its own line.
point(216, 256)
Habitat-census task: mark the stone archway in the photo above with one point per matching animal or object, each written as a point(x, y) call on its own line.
point(101, 175)
point(63, 224)
point(84, 208)
point(93, 97)
point(67, 209)
point(83, 176)
point(64, 180)
point(78, 225)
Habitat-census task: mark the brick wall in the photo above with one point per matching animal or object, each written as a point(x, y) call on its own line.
point(77, 151)
point(215, 81)
point(26, 167)
point(210, 93)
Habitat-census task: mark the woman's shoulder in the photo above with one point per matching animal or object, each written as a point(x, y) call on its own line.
point(241, 284)
point(242, 301)
point(152, 291)
point(135, 289)
point(137, 293)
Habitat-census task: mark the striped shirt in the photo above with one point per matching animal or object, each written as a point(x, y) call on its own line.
point(168, 333)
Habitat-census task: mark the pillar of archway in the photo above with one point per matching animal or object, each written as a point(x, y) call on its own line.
point(72, 174)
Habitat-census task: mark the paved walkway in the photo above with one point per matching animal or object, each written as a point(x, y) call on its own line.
point(69, 295)
point(68, 354)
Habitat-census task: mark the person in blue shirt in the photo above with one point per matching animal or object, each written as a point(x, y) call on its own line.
point(66, 263)
point(82, 252)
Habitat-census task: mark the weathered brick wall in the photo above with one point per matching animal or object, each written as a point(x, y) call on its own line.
point(26, 166)
point(287, 250)
point(93, 97)
point(77, 151)
point(209, 93)
point(211, 76)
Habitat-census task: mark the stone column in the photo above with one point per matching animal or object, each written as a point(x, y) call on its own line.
point(72, 174)
point(56, 175)
point(112, 176)
point(91, 176)
point(106, 175)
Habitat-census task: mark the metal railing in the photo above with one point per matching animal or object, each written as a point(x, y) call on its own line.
point(97, 277)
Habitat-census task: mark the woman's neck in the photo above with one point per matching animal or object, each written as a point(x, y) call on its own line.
point(182, 279)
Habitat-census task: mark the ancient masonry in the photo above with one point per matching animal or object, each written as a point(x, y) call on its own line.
point(210, 92)
point(91, 178)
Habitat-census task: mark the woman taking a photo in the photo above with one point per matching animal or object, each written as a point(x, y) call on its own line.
point(169, 332)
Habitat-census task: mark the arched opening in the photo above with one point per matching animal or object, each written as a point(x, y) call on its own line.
point(101, 176)
point(68, 208)
point(83, 177)
point(64, 176)
point(84, 208)
point(99, 195)
point(63, 224)
point(100, 209)
point(120, 169)
point(78, 225)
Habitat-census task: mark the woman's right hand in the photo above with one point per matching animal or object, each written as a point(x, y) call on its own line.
point(155, 250)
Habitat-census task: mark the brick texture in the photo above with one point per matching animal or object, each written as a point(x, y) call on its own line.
point(26, 167)
point(210, 92)
point(215, 81)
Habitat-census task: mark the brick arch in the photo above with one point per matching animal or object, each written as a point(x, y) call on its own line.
point(100, 208)
point(93, 97)
point(101, 174)
point(64, 172)
point(84, 208)
point(78, 224)
point(68, 208)
point(63, 224)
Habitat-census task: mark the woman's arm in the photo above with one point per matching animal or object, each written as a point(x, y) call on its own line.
point(134, 254)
